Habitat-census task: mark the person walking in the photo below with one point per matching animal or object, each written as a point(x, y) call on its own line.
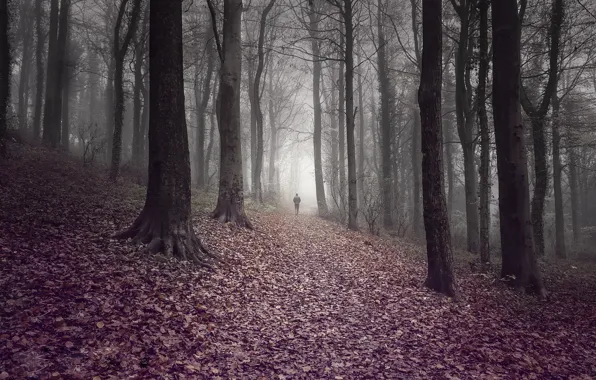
point(297, 203)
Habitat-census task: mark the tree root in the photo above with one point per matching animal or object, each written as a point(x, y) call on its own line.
point(179, 241)
point(228, 213)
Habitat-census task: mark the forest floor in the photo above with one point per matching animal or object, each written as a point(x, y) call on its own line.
point(298, 297)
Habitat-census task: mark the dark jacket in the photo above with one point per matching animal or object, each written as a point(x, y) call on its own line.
point(296, 200)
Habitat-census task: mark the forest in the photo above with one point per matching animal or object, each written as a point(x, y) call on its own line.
point(311, 189)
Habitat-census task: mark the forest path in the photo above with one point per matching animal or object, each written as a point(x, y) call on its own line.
point(298, 297)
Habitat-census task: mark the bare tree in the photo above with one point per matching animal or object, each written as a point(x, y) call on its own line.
point(165, 221)
point(230, 201)
point(438, 238)
point(120, 49)
point(517, 247)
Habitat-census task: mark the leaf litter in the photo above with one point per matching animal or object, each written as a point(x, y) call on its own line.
point(298, 297)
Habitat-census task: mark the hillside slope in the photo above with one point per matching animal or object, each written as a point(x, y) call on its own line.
point(298, 297)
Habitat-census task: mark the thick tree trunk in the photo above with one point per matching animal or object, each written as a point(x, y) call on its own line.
point(201, 110)
point(385, 121)
point(518, 258)
point(4, 73)
point(230, 202)
point(39, 75)
point(120, 48)
point(317, 133)
point(485, 184)
point(350, 122)
point(334, 141)
point(560, 250)
point(51, 132)
point(438, 238)
point(165, 221)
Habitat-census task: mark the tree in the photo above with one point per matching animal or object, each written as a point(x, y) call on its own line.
point(350, 125)
point(230, 200)
point(465, 117)
point(39, 48)
point(257, 104)
point(120, 48)
point(538, 116)
point(438, 237)
point(51, 133)
point(137, 135)
point(202, 101)
point(384, 92)
point(518, 258)
point(484, 138)
point(4, 72)
point(165, 221)
point(26, 31)
point(317, 133)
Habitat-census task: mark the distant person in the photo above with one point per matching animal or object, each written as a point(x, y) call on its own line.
point(297, 203)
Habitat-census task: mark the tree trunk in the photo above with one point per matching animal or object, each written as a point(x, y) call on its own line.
point(137, 137)
point(213, 122)
point(518, 258)
point(560, 250)
point(350, 122)
point(109, 107)
point(257, 170)
point(201, 109)
point(317, 133)
point(120, 48)
point(39, 51)
point(273, 139)
point(27, 29)
point(485, 184)
point(230, 202)
point(51, 132)
point(385, 121)
point(538, 116)
point(416, 147)
point(438, 237)
point(574, 194)
point(165, 221)
point(360, 139)
point(5, 59)
point(342, 125)
point(465, 123)
point(334, 138)
point(66, 84)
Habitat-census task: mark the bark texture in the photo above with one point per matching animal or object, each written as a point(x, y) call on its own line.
point(230, 201)
point(350, 122)
point(165, 221)
point(4, 72)
point(485, 184)
point(438, 238)
point(518, 259)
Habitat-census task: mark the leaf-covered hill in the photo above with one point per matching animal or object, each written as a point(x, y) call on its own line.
point(298, 297)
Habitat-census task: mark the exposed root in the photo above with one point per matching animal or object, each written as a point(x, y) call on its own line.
point(179, 241)
point(229, 213)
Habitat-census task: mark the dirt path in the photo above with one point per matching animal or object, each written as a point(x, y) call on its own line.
point(298, 297)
